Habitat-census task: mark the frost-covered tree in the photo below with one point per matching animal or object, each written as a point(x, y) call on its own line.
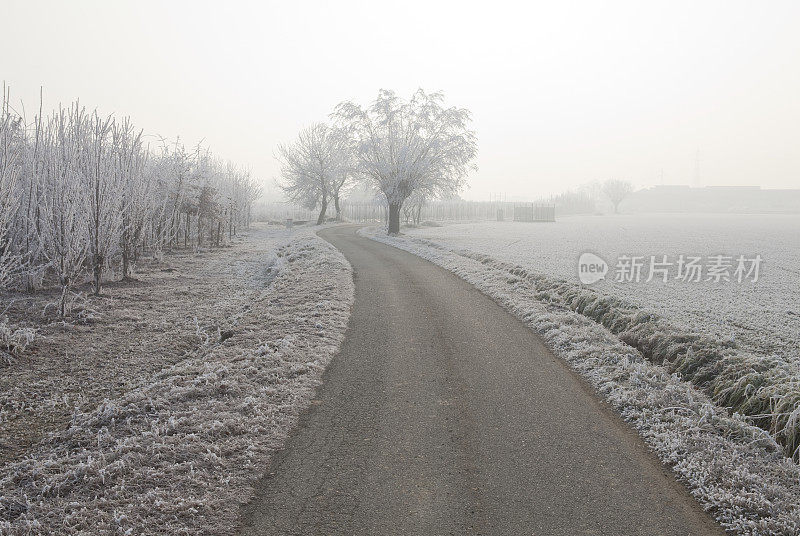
point(80, 196)
point(412, 208)
point(174, 163)
point(617, 190)
point(404, 147)
point(130, 167)
point(11, 162)
point(239, 190)
point(63, 215)
point(342, 178)
point(105, 187)
point(314, 168)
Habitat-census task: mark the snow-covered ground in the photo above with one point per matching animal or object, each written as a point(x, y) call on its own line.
point(763, 317)
point(176, 449)
point(735, 469)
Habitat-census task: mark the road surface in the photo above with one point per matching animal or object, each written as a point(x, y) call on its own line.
point(443, 414)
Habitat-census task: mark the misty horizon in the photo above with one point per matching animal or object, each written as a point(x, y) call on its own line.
point(697, 94)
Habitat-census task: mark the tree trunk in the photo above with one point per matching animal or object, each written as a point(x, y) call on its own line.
point(321, 218)
point(125, 263)
point(338, 208)
point(394, 219)
point(98, 273)
point(62, 302)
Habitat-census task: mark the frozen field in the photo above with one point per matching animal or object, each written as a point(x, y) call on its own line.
point(763, 317)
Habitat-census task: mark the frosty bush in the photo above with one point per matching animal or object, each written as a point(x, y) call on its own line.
point(13, 341)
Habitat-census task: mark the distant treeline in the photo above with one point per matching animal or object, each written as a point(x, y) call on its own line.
point(415, 211)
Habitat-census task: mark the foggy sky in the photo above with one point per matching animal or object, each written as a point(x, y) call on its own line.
point(561, 93)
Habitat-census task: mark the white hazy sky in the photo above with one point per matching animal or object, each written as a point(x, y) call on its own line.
point(562, 93)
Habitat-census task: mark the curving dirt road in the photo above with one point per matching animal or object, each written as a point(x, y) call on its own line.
point(443, 414)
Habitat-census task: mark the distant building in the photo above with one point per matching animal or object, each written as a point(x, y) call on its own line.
point(725, 199)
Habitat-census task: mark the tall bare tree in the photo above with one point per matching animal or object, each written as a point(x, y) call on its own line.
point(404, 147)
point(617, 190)
point(11, 162)
point(314, 167)
point(105, 188)
point(64, 208)
point(129, 165)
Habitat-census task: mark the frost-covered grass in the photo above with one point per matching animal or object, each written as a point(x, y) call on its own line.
point(178, 449)
point(736, 470)
point(111, 342)
point(13, 341)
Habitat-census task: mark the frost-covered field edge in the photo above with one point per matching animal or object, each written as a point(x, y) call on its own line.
point(735, 469)
point(180, 454)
